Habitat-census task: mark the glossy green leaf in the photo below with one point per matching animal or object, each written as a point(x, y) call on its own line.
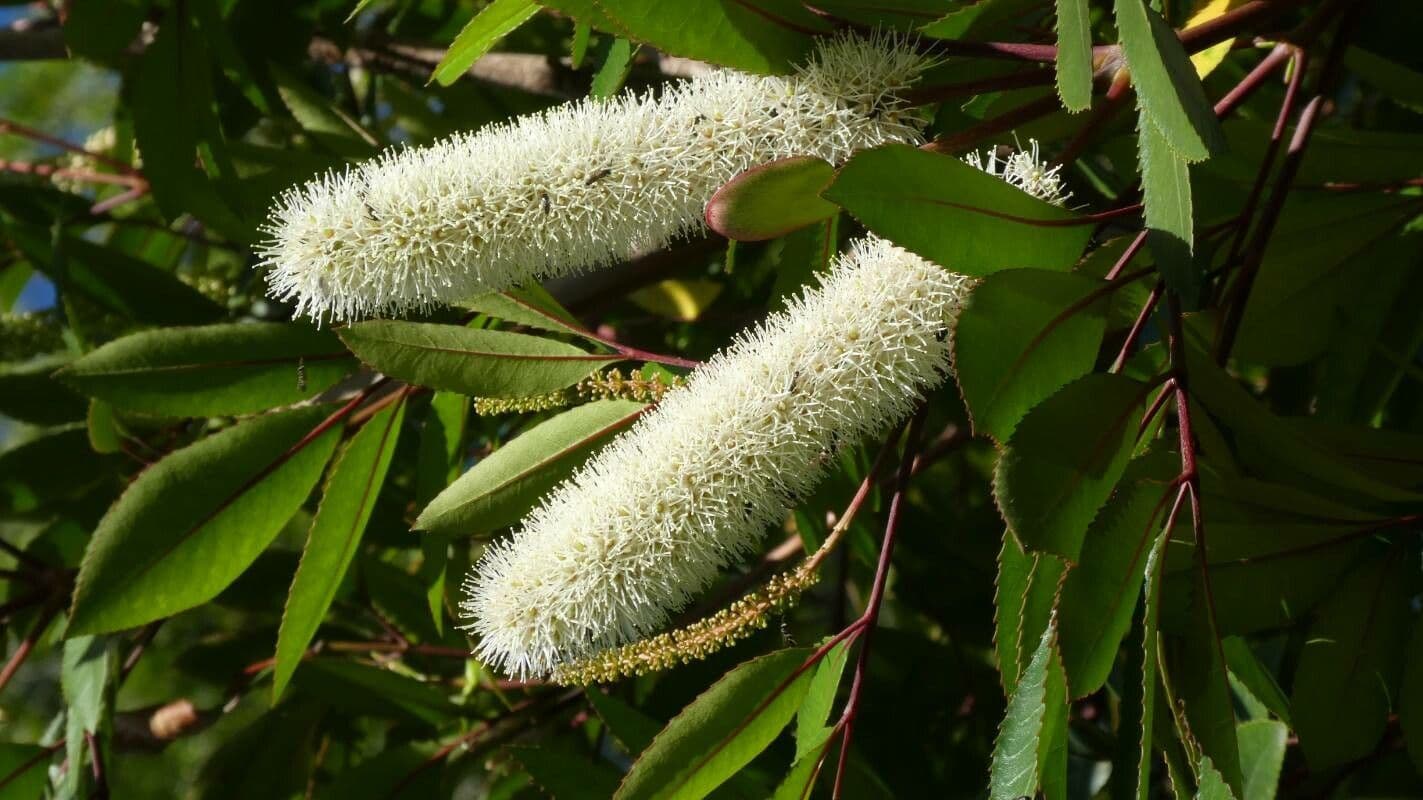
point(1166, 189)
point(356, 478)
point(722, 730)
point(190, 524)
point(83, 675)
point(1410, 696)
point(213, 370)
point(492, 23)
point(613, 72)
point(1074, 54)
point(1022, 335)
point(531, 306)
point(1024, 599)
point(1351, 665)
point(955, 215)
point(1166, 82)
point(498, 490)
point(1065, 458)
point(470, 361)
point(1015, 766)
point(799, 780)
point(1262, 753)
point(1099, 595)
point(814, 712)
point(770, 36)
point(772, 199)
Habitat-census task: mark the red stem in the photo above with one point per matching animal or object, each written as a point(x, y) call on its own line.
point(1137, 327)
point(27, 645)
point(872, 607)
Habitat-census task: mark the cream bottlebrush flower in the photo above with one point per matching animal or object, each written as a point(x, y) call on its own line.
point(580, 186)
point(650, 520)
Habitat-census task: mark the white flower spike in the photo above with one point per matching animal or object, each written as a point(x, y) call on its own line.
point(577, 187)
point(648, 523)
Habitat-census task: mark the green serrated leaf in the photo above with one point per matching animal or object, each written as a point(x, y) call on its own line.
point(501, 488)
point(1065, 458)
point(1022, 335)
point(1166, 82)
point(213, 370)
point(1100, 594)
point(1166, 186)
point(1015, 766)
point(1074, 54)
point(355, 481)
point(1262, 753)
point(1212, 785)
point(492, 23)
point(1024, 598)
point(1195, 665)
point(190, 524)
point(722, 730)
point(955, 215)
point(772, 199)
point(470, 361)
point(614, 70)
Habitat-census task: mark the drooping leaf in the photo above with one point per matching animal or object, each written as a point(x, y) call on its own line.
point(1166, 187)
point(498, 490)
point(722, 730)
point(1021, 336)
point(1024, 600)
point(1351, 665)
point(171, 98)
point(470, 361)
point(322, 119)
point(492, 23)
point(1074, 54)
point(355, 481)
point(1064, 459)
point(772, 199)
point(190, 524)
point(959, 217)
point(212, 370)
point(29, 392)
point(1015, 767)
point(1166, 82)
point(1150, 685)
point(1099, 595)
point(811, 729)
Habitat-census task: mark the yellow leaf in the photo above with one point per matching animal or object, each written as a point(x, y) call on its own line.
point(1206, 10)
point(679, 300)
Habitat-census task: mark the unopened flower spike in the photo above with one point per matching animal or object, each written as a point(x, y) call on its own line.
point(649, 521)
point(580, 186)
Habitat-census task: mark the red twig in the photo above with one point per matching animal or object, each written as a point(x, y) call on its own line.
point(10, 126)
point(27, 644)
point(876, 599)
point(1137, 327)
point(44, 753)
